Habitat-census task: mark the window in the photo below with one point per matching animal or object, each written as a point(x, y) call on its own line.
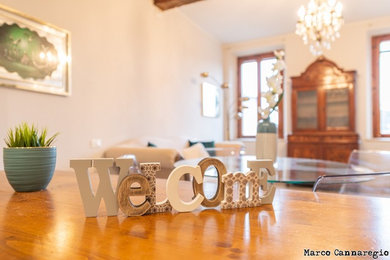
point(381, 85)
point(252, 74)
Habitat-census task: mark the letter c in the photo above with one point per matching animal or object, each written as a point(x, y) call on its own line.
point(173, 185)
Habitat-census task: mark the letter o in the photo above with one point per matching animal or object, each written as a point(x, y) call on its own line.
point(198, 187)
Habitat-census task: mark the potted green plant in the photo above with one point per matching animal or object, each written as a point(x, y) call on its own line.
point(29, 159)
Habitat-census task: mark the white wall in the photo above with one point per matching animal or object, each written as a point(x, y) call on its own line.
point(135, 71)
point(352, 51)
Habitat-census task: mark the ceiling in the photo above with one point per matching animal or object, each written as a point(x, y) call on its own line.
point(241, 20)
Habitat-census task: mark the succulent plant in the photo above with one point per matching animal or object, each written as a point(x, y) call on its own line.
point(25, 135)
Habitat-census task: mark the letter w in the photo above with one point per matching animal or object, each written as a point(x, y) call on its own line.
point(104, 190)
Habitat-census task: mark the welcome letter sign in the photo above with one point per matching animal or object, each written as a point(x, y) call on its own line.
point(260, 191)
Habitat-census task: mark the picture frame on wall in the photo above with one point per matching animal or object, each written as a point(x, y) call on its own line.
point(210, 100)
point(34, 55)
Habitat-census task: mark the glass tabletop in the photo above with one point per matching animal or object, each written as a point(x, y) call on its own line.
point(287, 170)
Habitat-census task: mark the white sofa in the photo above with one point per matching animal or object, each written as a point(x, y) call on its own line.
point(166, 152)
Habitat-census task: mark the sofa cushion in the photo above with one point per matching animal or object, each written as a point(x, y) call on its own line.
point(195, 151)
point(151, 144)
point(206, 144)
point(177, 143)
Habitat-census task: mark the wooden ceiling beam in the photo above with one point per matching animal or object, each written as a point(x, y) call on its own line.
point(168, 4)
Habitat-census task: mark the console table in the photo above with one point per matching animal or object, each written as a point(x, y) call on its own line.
point(51, 225)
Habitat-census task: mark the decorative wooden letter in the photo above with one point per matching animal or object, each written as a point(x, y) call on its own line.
point(125, 191)
point(173, 186)
point(198, 187)
point(253, 177)
point(263, 168)
point(104, 190)
point(149, 171)
point(124, 164)
point(242, 179)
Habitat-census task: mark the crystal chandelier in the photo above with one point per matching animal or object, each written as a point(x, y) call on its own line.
point(319, 24)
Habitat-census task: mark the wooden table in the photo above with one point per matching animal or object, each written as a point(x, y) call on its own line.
point(51, 225)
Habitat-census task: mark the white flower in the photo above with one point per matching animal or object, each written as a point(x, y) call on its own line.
point(279, 65)
point(280, 78)
point(279, 54)
point(272, 102)
point(267, 95)
point(264, 112)
point(272, 82)
point(274, 94)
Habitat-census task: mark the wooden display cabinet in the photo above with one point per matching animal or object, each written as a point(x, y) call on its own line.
point(323, 113)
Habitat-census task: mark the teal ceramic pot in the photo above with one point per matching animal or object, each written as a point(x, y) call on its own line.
point(29, 168)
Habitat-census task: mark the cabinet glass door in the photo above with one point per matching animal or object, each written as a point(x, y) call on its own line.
point(307, 110)
point(337, 108)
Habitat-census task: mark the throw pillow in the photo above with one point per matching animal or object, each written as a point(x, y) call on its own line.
point(151, 144)
point(206, 144)
point(195, 151)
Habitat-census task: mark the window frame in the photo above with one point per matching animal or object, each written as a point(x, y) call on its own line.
point(375, 42)
point(258, 58)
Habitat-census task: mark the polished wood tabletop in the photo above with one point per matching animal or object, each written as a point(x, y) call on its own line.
point(51, 225)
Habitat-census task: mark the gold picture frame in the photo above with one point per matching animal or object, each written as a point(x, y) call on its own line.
point(34, 55)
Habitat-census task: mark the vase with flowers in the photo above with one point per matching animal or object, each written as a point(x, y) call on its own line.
point(267, 131)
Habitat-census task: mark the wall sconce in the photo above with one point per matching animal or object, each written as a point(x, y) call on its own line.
point(238, 115)
point(207, 75)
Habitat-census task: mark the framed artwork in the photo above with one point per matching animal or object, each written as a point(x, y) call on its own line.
point(34, 55)
point(210, 100)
